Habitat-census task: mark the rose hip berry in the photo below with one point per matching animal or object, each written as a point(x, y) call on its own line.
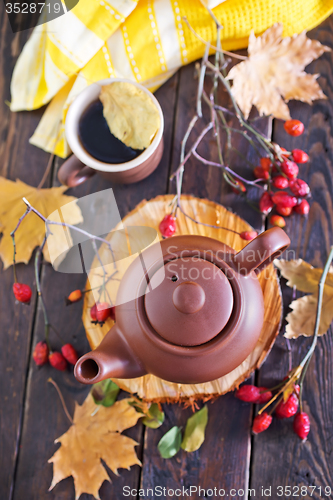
point(240, 187)
point(69, 353)
point(300, 156)
point(287, 409)
point(260, 173)
point(265, 163)
point(103, 311)
point(41, 353)
point(264, 396)
point(167, 226)
point(248, 235)
point(290, 169)
point(299, 187)
point(22, 292)
point(284, 199)
point(294, 127)
point(301, 425)
point(302, 208)
point(57, 360)
point(265, 203)
point(277, 220)
point(74, 296)
point(261, 423)
point(249, 393)
point(285, 211)
point(280, 182)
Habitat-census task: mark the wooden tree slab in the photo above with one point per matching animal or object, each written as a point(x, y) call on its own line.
point(150, 213)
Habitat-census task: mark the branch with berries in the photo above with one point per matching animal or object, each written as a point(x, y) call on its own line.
point(286, 397)
point(282, 193)
point(100, 312)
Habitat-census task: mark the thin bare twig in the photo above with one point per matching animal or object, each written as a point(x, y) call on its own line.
point(12, 234)
point(47, 170)
point(232, 54)
point(321, 285)
point(204, 224)
point(61, 399)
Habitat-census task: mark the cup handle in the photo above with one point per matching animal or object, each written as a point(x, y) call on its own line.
point(261, 251)
point(73, 172)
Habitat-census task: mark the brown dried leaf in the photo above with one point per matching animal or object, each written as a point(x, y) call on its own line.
point(32, 229)
point(274, 73)
point(130, 113)
point(95, 435)
point(301, 321)
point(302, 275)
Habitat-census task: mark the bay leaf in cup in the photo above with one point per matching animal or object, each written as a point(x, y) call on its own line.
point(130, 113)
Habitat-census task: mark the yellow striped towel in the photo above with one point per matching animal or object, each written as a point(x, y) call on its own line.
point(144, 40)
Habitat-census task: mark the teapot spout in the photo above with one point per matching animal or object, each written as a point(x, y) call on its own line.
point(112, 358)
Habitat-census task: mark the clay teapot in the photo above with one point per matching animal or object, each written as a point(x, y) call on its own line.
point(189, 317)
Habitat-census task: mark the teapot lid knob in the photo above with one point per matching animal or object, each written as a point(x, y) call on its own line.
point(189, 297)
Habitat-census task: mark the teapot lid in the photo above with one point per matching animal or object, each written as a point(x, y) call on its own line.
point(192, 304)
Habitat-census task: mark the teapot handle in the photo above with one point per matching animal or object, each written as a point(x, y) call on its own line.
point(261, 251)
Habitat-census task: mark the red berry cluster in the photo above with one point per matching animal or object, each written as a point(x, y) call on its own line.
point(42, 353)
point(101, 311)
point(58, 360)
point(284, 409)
point(281, 174)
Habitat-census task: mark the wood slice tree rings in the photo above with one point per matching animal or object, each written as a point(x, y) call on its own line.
point(150, 213)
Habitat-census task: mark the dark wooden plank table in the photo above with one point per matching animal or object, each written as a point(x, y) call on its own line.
point(31, 416)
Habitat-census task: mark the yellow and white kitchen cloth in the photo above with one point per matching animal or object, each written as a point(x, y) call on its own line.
point(143, 40)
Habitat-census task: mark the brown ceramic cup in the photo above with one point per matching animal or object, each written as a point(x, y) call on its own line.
point(81, 165)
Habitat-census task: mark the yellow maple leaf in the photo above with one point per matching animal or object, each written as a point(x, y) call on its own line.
point(32, 229)
point(274, 73)
point(130, 113)
point(95, 435)
point(305, 278)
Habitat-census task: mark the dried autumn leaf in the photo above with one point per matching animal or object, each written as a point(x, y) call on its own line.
point(288, 391)
point(301, 321)
point(154, 417)
point(301, 275)
point(274, 73)
point(194, 434)
point(95, 435)
point(130, 113)
point(32, 229)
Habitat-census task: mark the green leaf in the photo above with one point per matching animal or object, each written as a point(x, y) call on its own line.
point(154, 417)
point(105, 393)
point(169, 444)
point(194, 434)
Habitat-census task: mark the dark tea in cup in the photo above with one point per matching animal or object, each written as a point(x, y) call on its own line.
point(97, 139)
